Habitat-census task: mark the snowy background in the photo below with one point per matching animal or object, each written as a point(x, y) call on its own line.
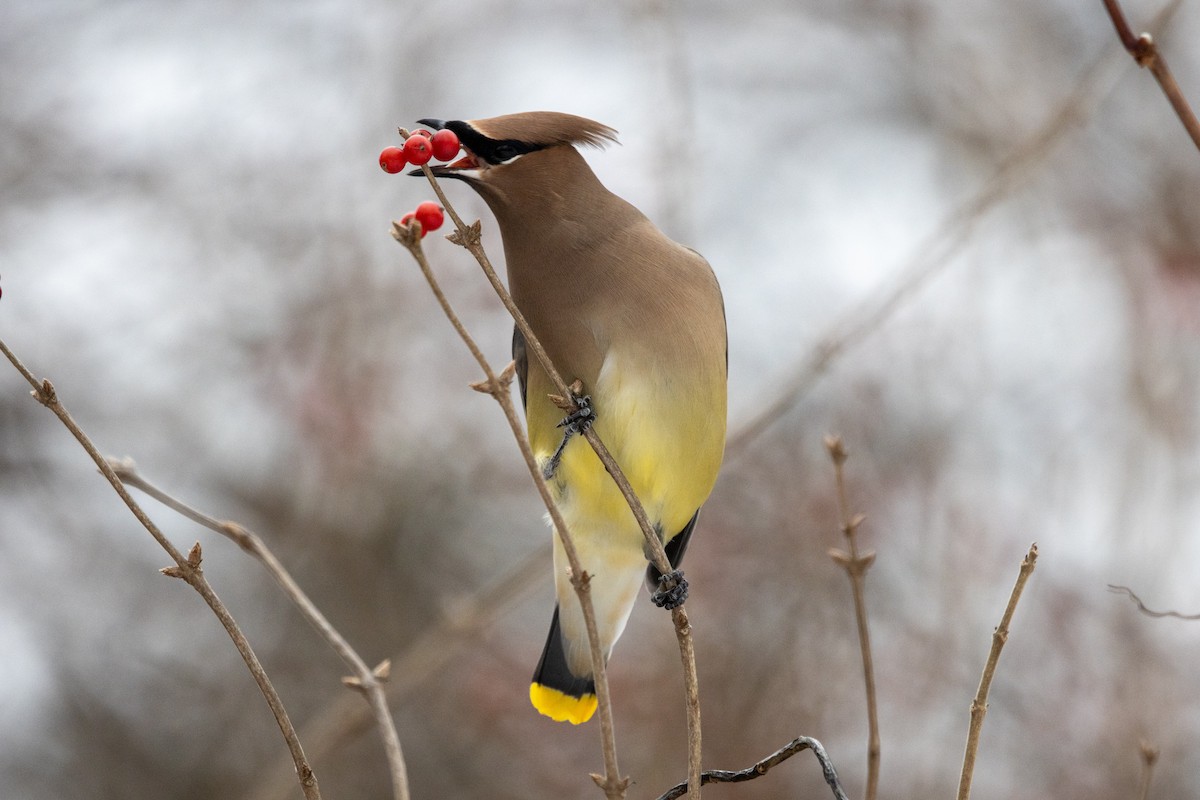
point(965, 236)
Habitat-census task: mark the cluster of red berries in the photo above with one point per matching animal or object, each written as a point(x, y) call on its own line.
point(429, 214)
point(419, 148)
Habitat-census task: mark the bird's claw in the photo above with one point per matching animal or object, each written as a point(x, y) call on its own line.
point(672, 590)
point(577, 421)
point(581, 418)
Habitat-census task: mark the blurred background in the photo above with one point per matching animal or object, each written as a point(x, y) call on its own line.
point(964, 236)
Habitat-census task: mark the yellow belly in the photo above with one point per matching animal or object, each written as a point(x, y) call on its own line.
point(667, 436)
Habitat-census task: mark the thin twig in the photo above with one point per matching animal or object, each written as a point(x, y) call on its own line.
point(470, 238)
point(1142, 606)
point(1149, 755)
point(979, 704)
point(369, 682)
point(1145, 53)
point(431, 653)
point(856, 567)
point(760, 768)
point(499, 387)
point(186, 568)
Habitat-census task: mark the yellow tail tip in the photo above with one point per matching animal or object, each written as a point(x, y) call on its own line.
point(562, 707)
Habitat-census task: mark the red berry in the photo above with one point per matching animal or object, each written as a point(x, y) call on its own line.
point(417, 149)
point(422, 132)
point(430, 215)
point(407, 220)
point(392, 159)
point(445, 145)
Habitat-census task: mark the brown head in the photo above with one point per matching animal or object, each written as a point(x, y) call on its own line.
point(520, 163)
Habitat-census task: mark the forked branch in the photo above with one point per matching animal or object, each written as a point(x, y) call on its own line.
point(186, 568)
point(367, 681)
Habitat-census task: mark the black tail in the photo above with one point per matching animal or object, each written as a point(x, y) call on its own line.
point(556, 691)
point(676, 546)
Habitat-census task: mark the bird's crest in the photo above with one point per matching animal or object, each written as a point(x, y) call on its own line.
point(545, 129)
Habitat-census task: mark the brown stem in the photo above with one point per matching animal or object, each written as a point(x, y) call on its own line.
point(470, 238)
point(1145, 53)
point(856, 567)
point(186, 568)
point(367, 681)
point(499, 387)
point(979, 704)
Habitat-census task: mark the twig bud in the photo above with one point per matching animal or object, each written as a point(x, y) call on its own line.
point(470, 236)
point(45, 394)
point(837, 450)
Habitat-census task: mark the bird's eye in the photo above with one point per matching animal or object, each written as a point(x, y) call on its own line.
point(504, 152)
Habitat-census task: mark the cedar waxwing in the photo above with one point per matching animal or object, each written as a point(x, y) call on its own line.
point(640, 321)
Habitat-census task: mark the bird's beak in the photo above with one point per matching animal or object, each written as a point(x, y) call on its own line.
point(466, 168)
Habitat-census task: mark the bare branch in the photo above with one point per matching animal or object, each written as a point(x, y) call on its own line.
point(856, 567)
point(364, 679)
point(186, 568)
point(1142, 606)
point(499, 387)
point(979, 704)
point(1145, 52)
point(469, 237)
point(760, 768)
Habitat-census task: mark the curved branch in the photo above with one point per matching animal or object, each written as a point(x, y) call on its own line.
point(760, 768)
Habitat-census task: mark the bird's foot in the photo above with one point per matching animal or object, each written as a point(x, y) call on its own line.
point(672, 590)
point(577, 421)
point(581, 418)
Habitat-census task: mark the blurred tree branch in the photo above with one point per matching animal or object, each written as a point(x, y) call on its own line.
point(1148, 612)
point(979, 704)
point(369, 682)
point(188, 569)
point(1145, 52)
point(933, 255)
